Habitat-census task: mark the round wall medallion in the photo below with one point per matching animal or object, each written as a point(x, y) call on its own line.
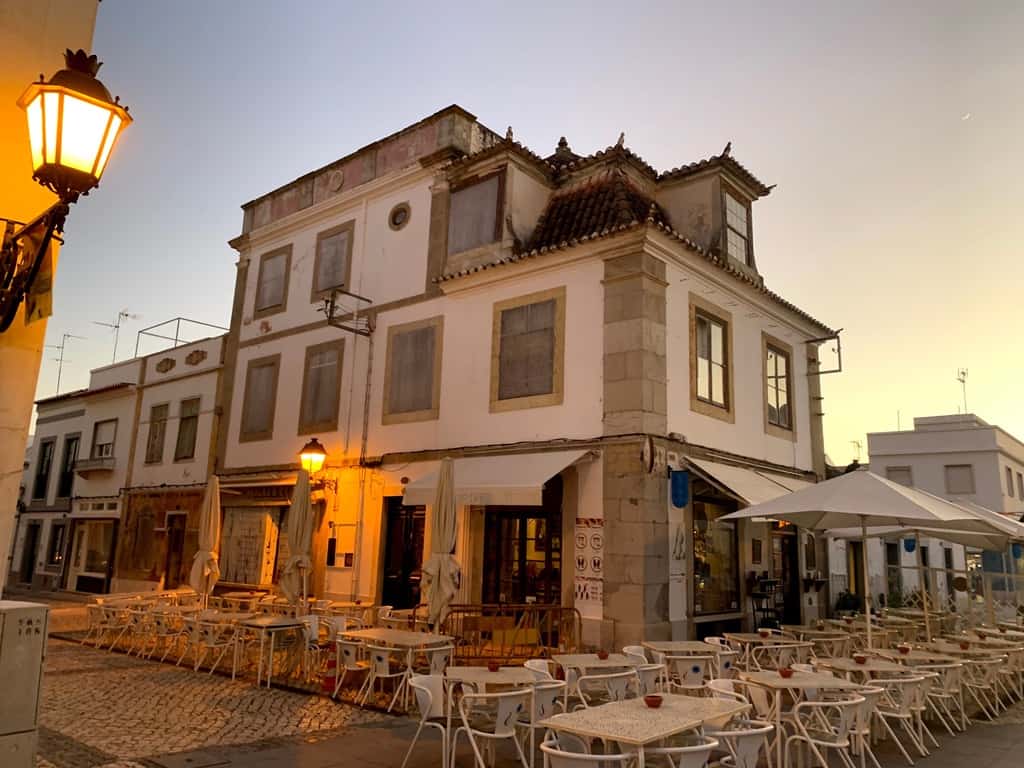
point(399, 216)
point(335, 180)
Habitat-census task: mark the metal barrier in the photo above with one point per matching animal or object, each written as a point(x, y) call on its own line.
point(511, 633)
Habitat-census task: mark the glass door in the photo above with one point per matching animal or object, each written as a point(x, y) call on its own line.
point(403, 553)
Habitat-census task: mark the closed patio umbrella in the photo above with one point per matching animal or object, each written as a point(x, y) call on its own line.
point(205, 570)
point(441, 572)
point(300, 541)
point(863, 499)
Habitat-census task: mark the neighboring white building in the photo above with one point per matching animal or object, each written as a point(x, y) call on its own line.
point(959, 457)
point(570, 329)
point(117, 474)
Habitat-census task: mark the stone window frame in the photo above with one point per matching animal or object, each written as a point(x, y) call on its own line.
point(331, 424)
point(499, 219)
point(945, 477)
point(149, 434)
point(276, 308)
point(267, 434)
point(902, 468)
point(93, 444)
point(429, 414)
point(739, 197)
point(183, 458)
point(318, 294)
point(557, 394)
point(779, 347)
point(700, 306)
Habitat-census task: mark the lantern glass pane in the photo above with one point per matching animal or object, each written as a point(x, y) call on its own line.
point(34, 111)
point(82, 126)
point(51, 112)
point(115, 128)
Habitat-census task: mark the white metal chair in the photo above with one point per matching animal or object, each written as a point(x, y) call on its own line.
point(429, 693)
point(689, 673)
point(167, 630)
point(693, 752)
point(507, 708)
point(650, 678)
point(823, 726)
point(555, 756)
point(215, 636)
point(744, 740)
point(438, 658)
point(725, 663)
point(603, 688)
point(349, 652)
point(896, 704)
point(635, 653)
point(382, 661)
point(861, 733)
point(947, 696)
point(539, 668)
point(548, 698)
point(980, 676)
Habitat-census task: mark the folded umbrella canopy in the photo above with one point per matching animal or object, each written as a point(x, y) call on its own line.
point(441, 571)
point(300, 541)
point(863, 499)
point(205, 569)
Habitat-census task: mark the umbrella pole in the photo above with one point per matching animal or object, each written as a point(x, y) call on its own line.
point(867, 583)
point(923, 587)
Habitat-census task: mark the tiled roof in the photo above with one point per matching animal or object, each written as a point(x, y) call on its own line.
point(722, 160)
point(82, 393)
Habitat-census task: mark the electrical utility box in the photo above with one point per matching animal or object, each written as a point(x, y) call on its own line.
point(22, 648)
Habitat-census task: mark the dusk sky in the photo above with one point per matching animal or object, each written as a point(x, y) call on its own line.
point(893, 134)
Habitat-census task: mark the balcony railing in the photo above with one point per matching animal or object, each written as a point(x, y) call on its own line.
point(98, 464)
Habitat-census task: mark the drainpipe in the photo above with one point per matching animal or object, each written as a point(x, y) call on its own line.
point(371, 322)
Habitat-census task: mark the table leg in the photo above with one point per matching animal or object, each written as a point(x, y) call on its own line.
point(259, 661)
point(270, 661)
point(779, 741)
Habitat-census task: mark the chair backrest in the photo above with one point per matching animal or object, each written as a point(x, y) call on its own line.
point(900, 693)
point(745, 740)
point(615, 685)
point(539, 669)
point(725, 688)
point(507, 706)
point(871, 696)
point(556, 757)
point(380, 659)
point(694, 753)
point(439, 658)
point(310, 629)
point(546, 696)
point(429, 692)
point(950, 677)
point(840, 714)
point(727, 663)
point(691, 671)
point(648, 676)
point(803, 667)
point(350, 653)
point(715, 640)
point(635, 652)
point(384, 612)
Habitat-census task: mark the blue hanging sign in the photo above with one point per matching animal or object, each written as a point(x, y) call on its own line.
point(1018, 550)
point(909, 545)
point(680, 488)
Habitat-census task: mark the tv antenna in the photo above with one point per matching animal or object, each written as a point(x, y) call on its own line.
point(60, 358)
point(961, 376)
point(124, 314)
point(858, 445)
point(346, 315)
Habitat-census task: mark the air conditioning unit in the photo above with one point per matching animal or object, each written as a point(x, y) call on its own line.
point(22, 648)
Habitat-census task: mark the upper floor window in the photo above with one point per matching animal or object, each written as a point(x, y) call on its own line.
point(67, 468)
point(43, 467)
point(1009, 482)
point(321, 388)
point(959, 478)
point(333, 263)
point(155, 433)
point(1020, 486)
point(711, 361)
point(901, 475)
point(737, 229)
point(474, 216)
point(777, 384)
point(412, 373)
point(528, 349)
point(103, 434)
point(188, 427)
point(272, 282)
point(259, 401)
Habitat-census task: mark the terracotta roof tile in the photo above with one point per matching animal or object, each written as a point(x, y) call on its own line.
point(721, 160)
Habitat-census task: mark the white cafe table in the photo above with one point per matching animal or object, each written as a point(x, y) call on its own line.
point(747, 641)
point(850, 667)
point(681, 647)
point(798, 683)
point(269, 625)
point(396, 638)
point(633, 723)
point(583, 661)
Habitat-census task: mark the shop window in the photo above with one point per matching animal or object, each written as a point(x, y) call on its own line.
point(715, 560)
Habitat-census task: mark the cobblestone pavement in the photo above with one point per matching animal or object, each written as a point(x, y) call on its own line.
point(108, 709)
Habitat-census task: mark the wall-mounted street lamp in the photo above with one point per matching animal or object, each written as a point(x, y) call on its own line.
point(312, 458)
point(73, 124)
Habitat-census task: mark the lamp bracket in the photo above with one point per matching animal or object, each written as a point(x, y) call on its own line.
point(22, 255)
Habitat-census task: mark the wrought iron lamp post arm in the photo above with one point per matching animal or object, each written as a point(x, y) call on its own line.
point(18, 268)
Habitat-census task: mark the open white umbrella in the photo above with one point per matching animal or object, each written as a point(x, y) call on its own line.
point(863, 499)
point(205, 569)
point(300, 541)
point(441, 572)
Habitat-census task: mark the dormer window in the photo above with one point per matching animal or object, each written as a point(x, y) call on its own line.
point(474, 217)
point(737, 229)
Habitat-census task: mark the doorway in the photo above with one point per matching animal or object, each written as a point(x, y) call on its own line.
point(403, 553)
point(523, 550)
point(28, 553)
point(91, 549)
point(786, 568)
point(855, 568)
point(175, 549)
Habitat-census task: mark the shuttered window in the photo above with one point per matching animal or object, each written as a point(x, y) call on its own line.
point(103, 434)
point(737, 229)
point(272, 282)
point(43, 467)
point(188, 427)
point(155, 434)
point(321, 388)
point(473, 216)
point(528, 351)
point(333, 258)
point(260, 394)
point(412, 376)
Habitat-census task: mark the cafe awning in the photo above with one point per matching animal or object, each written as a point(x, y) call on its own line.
point(751, 486)
point(513, 479)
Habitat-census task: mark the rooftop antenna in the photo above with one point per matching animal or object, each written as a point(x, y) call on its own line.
point(124, 314)
point(858, 445)
point(961, 376)
point(60, 359)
